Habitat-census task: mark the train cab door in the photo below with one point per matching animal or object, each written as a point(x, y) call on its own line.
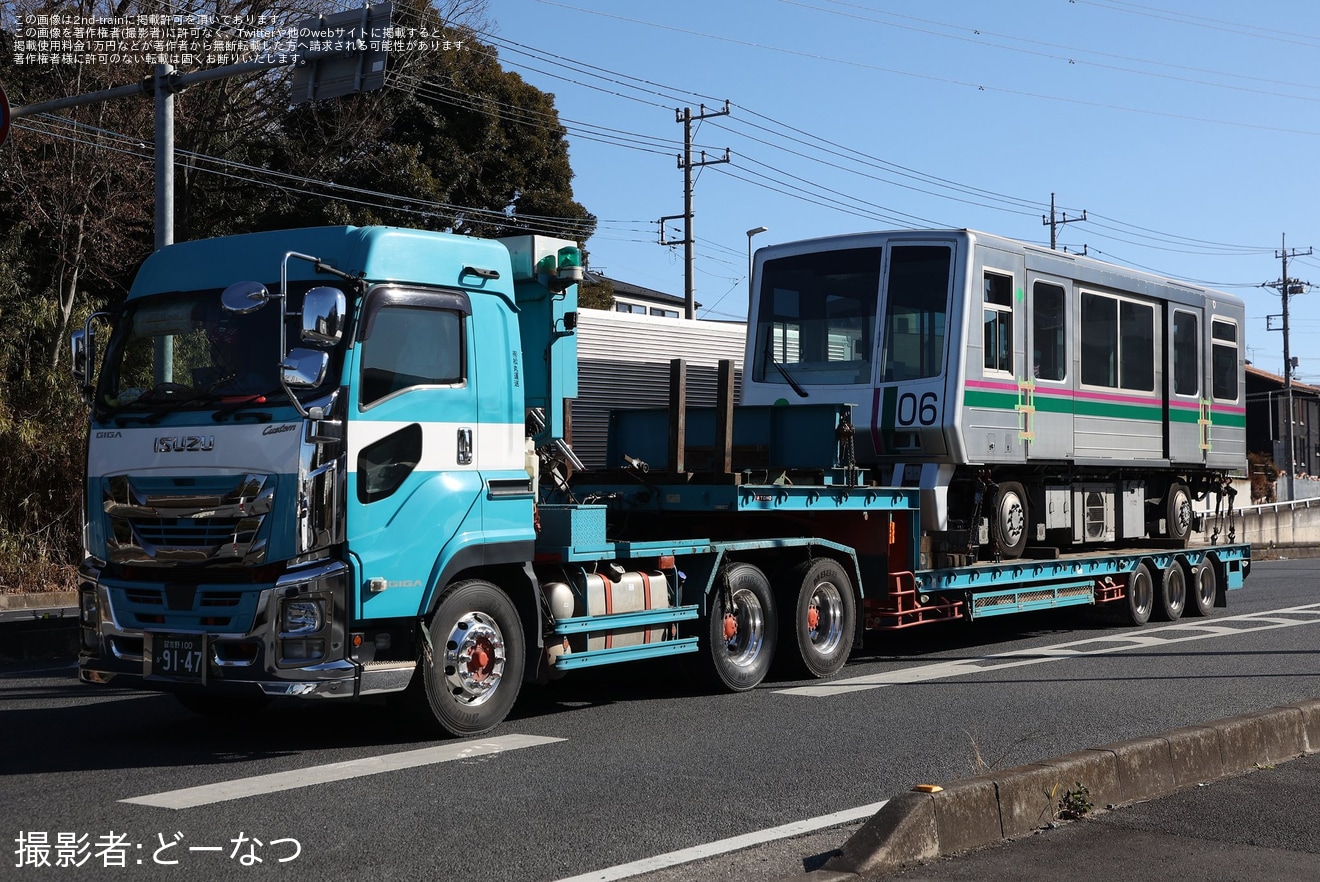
point(1049, 316)
point(1186, 401)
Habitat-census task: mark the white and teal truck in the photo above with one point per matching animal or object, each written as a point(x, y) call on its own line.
point(330, 463)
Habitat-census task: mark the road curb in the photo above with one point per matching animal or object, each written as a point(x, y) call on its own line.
point(974, 812)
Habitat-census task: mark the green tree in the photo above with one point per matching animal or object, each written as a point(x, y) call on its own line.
point(460, 143)
point(452, 142)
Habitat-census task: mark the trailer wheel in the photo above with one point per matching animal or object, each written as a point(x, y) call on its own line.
point(1173, 593)
point(1011, 519)
point(742, 629)
point(470, 674)
point(817, 637)
point(1178, 513)
point(1140, 595)
point(1205, 585)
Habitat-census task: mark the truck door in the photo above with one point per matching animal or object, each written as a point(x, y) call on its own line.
point(413, 481)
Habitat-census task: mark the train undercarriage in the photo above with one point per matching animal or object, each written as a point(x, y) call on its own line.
point(1004, 513)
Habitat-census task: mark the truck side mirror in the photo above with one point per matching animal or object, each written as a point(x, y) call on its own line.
point(80, 356)
point(244, 297)
point(305, 368)
point(323, 316)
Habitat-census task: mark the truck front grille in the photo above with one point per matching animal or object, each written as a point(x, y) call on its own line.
point(187, 520)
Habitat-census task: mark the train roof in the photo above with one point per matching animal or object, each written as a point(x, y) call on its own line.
point(1040, 258)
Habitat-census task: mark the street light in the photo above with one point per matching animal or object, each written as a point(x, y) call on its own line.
point(750, 234)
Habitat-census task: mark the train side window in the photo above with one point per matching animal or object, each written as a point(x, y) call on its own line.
point(1118, 343)
point(1136, 346)
point(1048, 338)
point(1186, 354)
point(997, 323)
point(1099, 337)
point(1224, 360)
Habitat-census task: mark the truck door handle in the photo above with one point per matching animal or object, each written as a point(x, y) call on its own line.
point(465, 446)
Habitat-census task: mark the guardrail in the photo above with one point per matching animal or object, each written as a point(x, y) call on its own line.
point(1268, 524)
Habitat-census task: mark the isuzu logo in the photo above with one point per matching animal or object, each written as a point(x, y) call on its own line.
point(184, 443)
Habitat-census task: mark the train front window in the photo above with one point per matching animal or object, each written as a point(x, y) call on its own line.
point(917, 302)
point(817, 317)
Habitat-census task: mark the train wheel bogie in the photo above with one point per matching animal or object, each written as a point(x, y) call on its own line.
point(1011, 519)
point(1178, 512)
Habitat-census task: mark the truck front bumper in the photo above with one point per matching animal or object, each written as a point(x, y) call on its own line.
point(161, 636)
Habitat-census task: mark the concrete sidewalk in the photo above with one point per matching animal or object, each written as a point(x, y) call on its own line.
point(1147, 817)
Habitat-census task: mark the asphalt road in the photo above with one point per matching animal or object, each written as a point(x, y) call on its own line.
point(616, 767)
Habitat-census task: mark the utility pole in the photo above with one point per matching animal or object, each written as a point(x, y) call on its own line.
point(1286, 287)
point(1054, 223)
point(686, 163)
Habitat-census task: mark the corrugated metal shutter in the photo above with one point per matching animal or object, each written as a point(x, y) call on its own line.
point(623, 362)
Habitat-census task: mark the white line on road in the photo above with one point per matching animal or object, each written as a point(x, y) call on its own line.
point(243, 787)
point(1184, 631)
point(724, 846)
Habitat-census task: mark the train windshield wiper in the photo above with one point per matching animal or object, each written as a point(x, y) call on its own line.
point(797, 387)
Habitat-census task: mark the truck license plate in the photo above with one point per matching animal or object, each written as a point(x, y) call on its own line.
point(178, 655)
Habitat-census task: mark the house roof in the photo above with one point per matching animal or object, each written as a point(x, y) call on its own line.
point(627, 289)
point(1278, 380)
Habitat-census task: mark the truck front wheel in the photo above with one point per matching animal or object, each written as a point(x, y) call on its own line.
point(742, 629)
point(472, 669)
point(818, 635)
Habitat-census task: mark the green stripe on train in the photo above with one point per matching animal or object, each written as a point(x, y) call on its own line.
point(1091, 408)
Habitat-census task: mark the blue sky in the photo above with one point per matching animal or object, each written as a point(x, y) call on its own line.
point(1186, 129)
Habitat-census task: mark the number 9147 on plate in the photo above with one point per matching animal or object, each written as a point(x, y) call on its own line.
point(179, 655)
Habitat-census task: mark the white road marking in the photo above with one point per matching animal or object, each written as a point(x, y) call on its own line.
point(723, 846)
point(1180, 632)
point(392, 762)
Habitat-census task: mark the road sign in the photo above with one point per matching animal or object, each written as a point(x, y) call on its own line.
point(4, 116)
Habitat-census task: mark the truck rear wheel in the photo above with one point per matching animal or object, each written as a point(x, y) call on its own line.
point(1205, 586)
point(816, 634)
point(742, 629)
point(1173, 593)
point(470, 674)
point(1140, 595)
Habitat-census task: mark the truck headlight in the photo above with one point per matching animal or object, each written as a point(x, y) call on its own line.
point(302, 616)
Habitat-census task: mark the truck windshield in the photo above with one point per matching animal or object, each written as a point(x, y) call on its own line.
point(817, 317)
point(180, 350)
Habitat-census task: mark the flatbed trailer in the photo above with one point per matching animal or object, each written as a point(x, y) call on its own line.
point(336, 513)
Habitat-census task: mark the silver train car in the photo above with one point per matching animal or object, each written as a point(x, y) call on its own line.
point(1037, 398)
